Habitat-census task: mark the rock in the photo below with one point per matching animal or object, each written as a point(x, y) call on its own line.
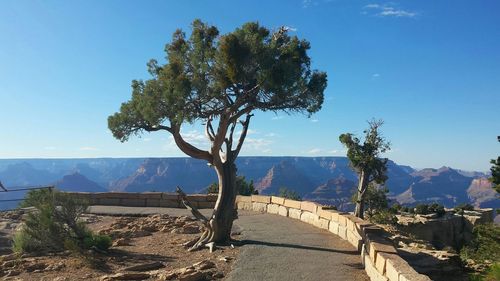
point(55, 267)
point(202, 265)
point(35, 267)
point(192, 276)
point(190, 229)
point(9, 263)
point(121, 242)
point(126, 276)
point(144, 267)
point(218, 274)
point(169, 275)
point(12, 273)
point(225, 259)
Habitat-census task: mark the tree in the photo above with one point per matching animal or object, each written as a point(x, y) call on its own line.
point(244, 188)
point(364, 159)
point(495, 172)
point(216, 80)
point(289, 194)
point(376, 199)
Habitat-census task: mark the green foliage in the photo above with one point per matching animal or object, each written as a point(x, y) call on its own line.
point(208, 75)
point(244, 187)
point(376, 199)
point(463, 207)
point(55, 225)
point(434, 208)
point(36, 197)
point(383, 217)
point(289, 194)
point(495, 172)
point(485, 244)
point(365, 159)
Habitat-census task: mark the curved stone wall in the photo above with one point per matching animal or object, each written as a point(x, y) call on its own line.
point(378, 255)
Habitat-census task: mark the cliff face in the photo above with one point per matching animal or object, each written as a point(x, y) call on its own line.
point(329, 180)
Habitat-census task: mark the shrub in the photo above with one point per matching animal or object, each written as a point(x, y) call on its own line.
point(437, 208)
point(463, 207)
point(383, 217)
point(422, 209)
point(375, 199)
point(55, 224)
point(289, 194)
point(484, 245)
point(244, 187)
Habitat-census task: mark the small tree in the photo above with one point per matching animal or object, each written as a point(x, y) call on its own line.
point(376, 199)
point(495, 172)
point(218, 79)
point(244, 187)
point(289, 194)
point(364, 159)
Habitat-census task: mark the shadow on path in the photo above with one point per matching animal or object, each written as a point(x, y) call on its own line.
point(293, 246)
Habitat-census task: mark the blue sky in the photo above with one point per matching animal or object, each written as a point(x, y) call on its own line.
point(430, 69)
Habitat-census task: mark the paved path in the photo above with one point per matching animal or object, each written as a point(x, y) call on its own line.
point(279, 248)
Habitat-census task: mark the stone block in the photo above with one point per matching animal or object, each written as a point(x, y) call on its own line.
point(197, 197)
point(213, 198)
point(342, 232)
point(354, 239)
point(294, 213)
point(381, 261)
point(322, 223)
point(283, 211)
point(413, 277)
point(170, 196)
point(308, 206)
point(244, 206)
point(206, 205)
point(371, 271)
point(259, 207)
point(108, 202)
point(335, 216)
point(308, 217)
point(241, 198)
point(151, 195)
point(152, 202)
point(261, 199)
point(342, 220)
point(166, 203)
point(277, 200)
point(292, 204)
point(273, 208)
point(334, 227)
point(395, 266)
point(380, 246)
point(326, 214)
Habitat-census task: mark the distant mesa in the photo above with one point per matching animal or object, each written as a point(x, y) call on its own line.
point(77, 182)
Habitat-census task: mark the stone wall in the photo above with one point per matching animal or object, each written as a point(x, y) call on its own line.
point(147, 199)
point(380, 258)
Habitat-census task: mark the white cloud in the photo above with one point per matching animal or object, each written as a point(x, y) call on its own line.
point(50, 148)
point(375, 75)
point(271, 135)
point(278, 117)
point(314, 151)
point(314, 120)
point(387, 11)
point(146, 139)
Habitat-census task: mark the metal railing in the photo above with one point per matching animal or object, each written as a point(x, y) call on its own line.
point(3, 189)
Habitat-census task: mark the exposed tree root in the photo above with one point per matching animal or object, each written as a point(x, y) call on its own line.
point(205, 240)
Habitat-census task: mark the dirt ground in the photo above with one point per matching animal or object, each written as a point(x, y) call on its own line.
point(155, 242)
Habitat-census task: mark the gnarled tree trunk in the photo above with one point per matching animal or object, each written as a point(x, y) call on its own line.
point(224, 211)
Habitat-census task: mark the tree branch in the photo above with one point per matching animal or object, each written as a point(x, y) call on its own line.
point(188, 148)
point(242, 136)
point(209, 131)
